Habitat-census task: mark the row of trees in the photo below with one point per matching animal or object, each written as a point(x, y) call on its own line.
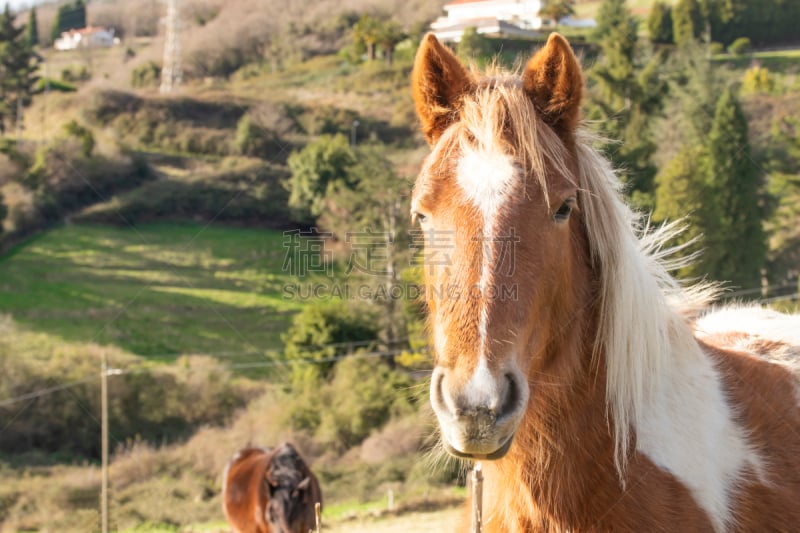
point(69, 17)
point(371, 32)
point(695, 161)
point(762, 21)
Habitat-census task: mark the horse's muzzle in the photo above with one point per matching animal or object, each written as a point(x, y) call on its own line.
point(478, 420)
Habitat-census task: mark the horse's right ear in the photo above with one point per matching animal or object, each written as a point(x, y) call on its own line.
point(438, 82)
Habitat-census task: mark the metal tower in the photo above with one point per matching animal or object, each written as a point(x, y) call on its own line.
point(172, 71)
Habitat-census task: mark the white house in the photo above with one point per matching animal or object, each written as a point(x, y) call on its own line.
point(510, 18)
point(91, 36)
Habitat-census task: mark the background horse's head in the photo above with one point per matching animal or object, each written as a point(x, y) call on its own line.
point(293, 491)
point(506, 260)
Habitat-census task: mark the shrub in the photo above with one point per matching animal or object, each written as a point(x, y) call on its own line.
point(740, 46)
point(259, 131)
point(716, 48)
point(146, 75)
point(363, 394)
point(160, 406)
point(45, 84)
point(317, 169)
point(82, 134)
point(250, 194)
point(73, 74)
point(758, 80)
point(65, 179)
point(323, 331)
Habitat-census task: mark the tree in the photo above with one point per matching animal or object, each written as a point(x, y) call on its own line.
point(69, 17)
point(372, 217)
point(687, 21)
point(616, 35)
point(18, 65)
point(33, 28)
point(323, 331)
point(680, 195)
point(368, 30)
point(55, 30)
point(556, 10)
point(625, 91)
point(390, 35)
point(736, 244)
point(659, 24)
point(317, 170)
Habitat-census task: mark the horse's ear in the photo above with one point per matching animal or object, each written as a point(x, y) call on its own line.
point(438, 82)
point(554, 82)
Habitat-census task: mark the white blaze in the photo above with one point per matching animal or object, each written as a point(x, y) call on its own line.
point(487, 178)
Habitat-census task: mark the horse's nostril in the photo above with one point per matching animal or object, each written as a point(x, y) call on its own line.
point(437, 391)
point(512, 397)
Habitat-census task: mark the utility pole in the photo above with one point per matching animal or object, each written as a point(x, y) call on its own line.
point(172, 70)
point(104, 443)
point(104, 373)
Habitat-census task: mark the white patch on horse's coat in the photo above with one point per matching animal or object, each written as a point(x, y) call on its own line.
point(756, 321)
point(758, 325)
point(487, 178)
point(689, 429)
point(481, 389)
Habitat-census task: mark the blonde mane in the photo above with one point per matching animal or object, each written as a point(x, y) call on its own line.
point(631, 261)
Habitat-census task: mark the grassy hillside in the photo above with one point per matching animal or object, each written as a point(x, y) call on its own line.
point(157, 290)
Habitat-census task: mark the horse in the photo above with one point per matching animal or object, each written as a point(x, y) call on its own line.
point(270, 491)
point(600, 393)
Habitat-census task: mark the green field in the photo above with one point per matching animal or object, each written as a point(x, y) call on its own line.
point(156, 290)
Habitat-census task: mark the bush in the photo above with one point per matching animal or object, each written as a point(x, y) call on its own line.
point(259, 131)
point(82, 134)
point(362, 395)
point(64, 179)
point(318, 169)
point(758, 80)
point(716, 48)
point(73, 74)
point(146, 75)
point(740, 46)
point(323, 331)
point(250, 195)
point(54, 85)
point(160, 406)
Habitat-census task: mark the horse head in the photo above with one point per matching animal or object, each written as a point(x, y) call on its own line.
point(499, 197)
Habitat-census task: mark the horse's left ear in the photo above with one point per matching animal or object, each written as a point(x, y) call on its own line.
point(553, 80)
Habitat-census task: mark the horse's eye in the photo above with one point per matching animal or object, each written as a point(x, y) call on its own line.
point(566, 208)
point(417, 217)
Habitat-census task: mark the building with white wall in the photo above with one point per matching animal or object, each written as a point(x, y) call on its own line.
point(507, 18)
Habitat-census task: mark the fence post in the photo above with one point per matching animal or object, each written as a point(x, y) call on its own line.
point(477, 498)
point(317, 515)
point(104, 443)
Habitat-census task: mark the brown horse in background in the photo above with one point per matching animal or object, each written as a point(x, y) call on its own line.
point(601, 393)
point(270, 491)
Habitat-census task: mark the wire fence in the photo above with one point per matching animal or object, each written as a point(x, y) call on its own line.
point(144, 368)
point(278, 359)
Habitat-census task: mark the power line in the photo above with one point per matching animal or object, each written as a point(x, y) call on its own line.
point(172, 369)
point(44, 392)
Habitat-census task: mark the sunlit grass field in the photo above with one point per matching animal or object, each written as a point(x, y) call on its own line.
point(156, 290)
